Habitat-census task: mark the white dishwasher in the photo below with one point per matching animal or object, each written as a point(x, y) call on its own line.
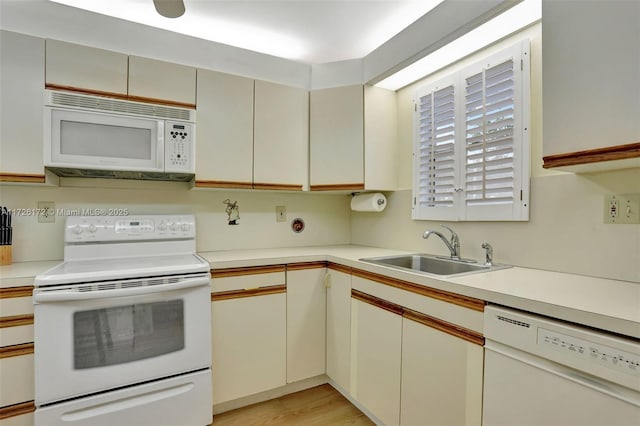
point(545, 372)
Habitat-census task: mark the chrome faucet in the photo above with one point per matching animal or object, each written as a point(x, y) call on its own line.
point(453, 246)
point(488, 254)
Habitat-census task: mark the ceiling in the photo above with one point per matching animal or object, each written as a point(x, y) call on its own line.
point(307, 31)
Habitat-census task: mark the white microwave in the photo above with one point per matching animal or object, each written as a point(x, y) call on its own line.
point(92, 136)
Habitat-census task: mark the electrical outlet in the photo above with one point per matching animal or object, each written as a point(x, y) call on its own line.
point(281, 214)
point(46, 211)
point(622, 209)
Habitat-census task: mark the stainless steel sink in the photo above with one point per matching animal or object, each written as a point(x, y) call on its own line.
point(433, 264)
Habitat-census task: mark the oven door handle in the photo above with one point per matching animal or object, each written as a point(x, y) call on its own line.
point(66, 295)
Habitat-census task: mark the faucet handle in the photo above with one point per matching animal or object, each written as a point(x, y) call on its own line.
point(454, 236)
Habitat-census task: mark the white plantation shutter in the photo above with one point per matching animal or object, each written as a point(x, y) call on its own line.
point(435, 153)
point(481, 171)
point(489, 118)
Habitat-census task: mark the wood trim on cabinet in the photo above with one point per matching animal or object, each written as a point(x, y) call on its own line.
point(338, 187)
point(340, 268)
point(223, 184)
point(16, 350)
point(253, 292)
point(306, 265)
point(121, 96)
point(611, 153)
point(277, 186)
point(456, 299)
point(22, 178)
point(17, 409)
point(16, 320)
point(248, 270)
point(11, 292)
point(444, 326)
point(377, 302)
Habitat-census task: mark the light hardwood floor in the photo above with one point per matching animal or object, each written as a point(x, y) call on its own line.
point(322, 405)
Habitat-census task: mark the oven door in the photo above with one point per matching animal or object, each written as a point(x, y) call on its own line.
point(92, 338)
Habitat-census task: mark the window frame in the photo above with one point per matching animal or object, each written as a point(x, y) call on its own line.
point(459, 210)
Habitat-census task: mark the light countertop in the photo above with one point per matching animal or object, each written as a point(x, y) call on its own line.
point(606, 304)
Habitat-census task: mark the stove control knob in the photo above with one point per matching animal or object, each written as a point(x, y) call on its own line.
point(186, 226)
point(173, 226)
point(92, 228)
point(162, 226)
point(77, 230)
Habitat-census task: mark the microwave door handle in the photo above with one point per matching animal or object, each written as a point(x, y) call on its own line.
point(53, 296)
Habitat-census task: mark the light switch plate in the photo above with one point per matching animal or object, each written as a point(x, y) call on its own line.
point(622, 209)
point(281, 214)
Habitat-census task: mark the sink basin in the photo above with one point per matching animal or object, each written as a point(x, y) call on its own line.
point(432, 264)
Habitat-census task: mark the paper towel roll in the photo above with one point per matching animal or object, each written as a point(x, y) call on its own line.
point(374, 202)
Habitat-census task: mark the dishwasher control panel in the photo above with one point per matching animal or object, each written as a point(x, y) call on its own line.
point(607, 356)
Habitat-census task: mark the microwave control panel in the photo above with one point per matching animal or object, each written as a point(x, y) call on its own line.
point(179, 147)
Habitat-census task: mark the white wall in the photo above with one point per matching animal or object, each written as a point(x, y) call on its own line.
point(565, 232)
point(326, 216)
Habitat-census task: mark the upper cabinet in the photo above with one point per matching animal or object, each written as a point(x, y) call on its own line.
point(281, 137)
point(352, 139)
point(74, 67)
point(224, 151)
point(153, 79)
point(251, 134)
point(21, 121)
point(591, 85)
point(380, 136)
point(336, 138)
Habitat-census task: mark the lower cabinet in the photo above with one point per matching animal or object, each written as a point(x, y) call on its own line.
point(249, 332)
point(413, 369)
point(376, 342)
point(408, 355)
point(306, 320)
point(339, 326)
point(441, 378)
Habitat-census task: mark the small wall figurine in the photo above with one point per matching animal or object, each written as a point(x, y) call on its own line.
point(233, 212)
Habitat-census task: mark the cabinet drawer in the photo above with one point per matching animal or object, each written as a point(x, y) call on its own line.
point(247, 278)
point(26, 419)
point(16, 377)
point(450, 312)
point(16, 335)
point(16, 306)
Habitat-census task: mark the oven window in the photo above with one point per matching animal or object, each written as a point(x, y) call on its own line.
point(128, 333)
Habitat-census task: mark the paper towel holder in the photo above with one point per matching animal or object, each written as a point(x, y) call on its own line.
point(379, 202)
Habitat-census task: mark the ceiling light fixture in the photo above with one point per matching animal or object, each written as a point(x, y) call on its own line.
point(508, 22)
point(169, 8)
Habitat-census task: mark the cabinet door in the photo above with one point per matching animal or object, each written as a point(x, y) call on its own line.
point(380, 137)
point(248, 345)
point(159, 80)
point(81, 67)
point(224, 150)
point(339, 328)
point(306, 318)
point(441, 378)
point(21, 121)
point(376, 339)
point(591, 79)
point(336, 139)
point(281, 127)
